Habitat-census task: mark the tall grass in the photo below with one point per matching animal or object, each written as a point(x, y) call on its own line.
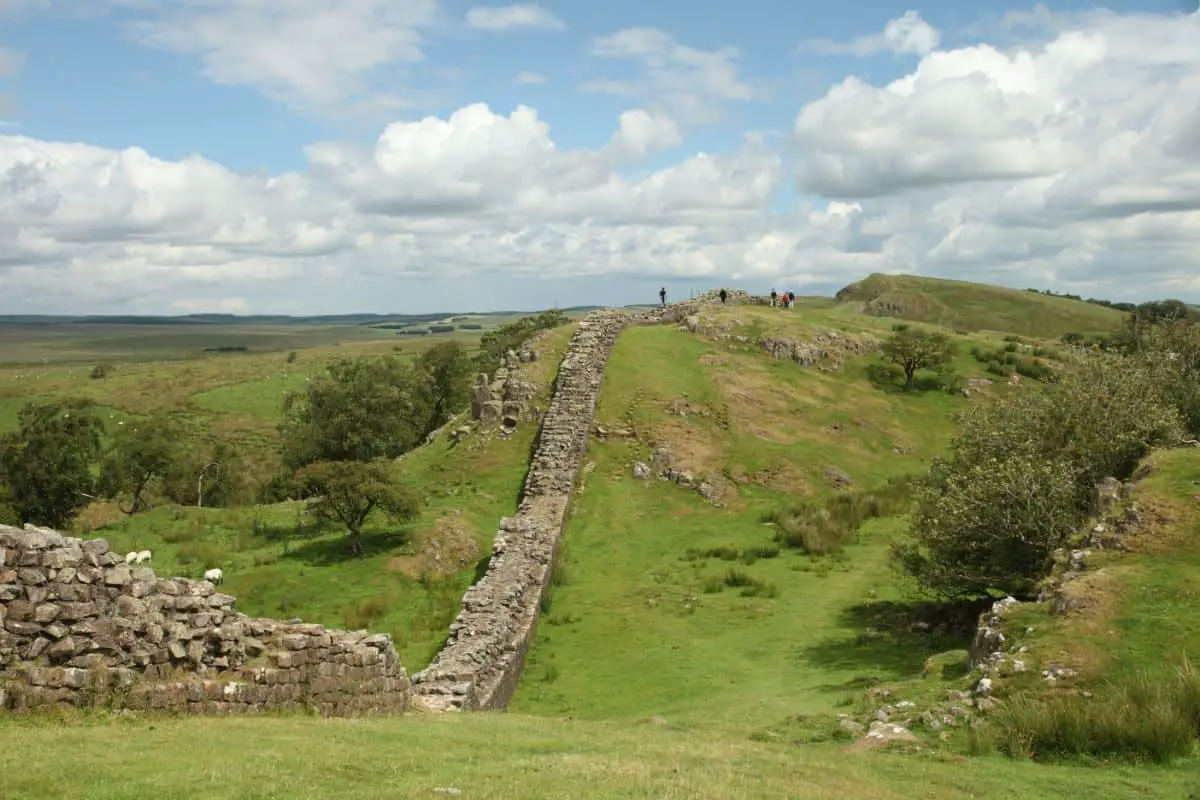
point(1139, 719)
point(826, 528)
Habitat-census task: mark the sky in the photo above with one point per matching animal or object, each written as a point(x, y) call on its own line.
point(398, 156)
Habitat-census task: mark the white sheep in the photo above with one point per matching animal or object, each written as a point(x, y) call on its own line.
point(142, 556)
point(213, 575)
point(131, 557)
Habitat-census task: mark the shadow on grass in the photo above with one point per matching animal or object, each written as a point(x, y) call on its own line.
point(890, 380)
point(336, 549)
point(895, 638)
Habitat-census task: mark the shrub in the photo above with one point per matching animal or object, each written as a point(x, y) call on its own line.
point(100, 371)
point(825, 528)
point(364, 614)
point(1140, 719)
point(998, 368)
point(1020, 475)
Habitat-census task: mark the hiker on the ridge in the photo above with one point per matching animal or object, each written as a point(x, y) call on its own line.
point(724, 295)
point(662, 295)
point(774, 296)
point(791, 298)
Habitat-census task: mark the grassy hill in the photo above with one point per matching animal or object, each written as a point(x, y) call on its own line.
point(686, 651)
point(975, 307)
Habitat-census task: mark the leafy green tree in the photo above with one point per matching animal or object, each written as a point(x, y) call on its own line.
point(142, 454)
point(359, 410)
point(46, 463)
point(991, 525)
point(1020, 475)
point(448, 386)
point(348, 492)
point(912, 349)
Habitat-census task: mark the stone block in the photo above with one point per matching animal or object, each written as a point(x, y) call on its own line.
point(117, 576)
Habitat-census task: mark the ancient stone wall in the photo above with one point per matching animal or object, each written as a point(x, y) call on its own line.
point(482, 660)
point(78, 626)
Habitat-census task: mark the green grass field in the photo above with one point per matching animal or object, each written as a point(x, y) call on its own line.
point(508, 756)
point(650, 675)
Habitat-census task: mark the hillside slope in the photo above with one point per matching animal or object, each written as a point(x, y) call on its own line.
point(974, 307)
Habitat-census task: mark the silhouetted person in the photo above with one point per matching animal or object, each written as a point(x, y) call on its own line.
point(774, 297)
point(724, 295)
point(662, 295)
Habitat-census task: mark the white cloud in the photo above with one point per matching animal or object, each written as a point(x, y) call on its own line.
point(1072, 161)
point(531, 78)
point(693, 85)
point(905, 35)
point(518, 15)
point(314, 55)
point(432, 198)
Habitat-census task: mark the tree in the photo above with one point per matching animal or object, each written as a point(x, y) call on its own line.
point(912, 349)
point(1020, 475)
point(141, 453)
point(212, 477)
point(448, 385)
point(359, 410)
point(348, 492)
point(992, 525)
point(46, 464)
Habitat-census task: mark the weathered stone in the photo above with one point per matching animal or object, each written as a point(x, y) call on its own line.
point(117, 576)
point(32, 576)
point(62, 650)
point(45, 613)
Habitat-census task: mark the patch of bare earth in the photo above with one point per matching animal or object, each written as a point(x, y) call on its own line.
point(447, 548)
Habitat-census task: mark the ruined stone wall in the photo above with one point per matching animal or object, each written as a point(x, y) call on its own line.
point(80, 627)
point(482, 660)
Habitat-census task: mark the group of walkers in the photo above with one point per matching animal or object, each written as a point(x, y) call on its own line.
point(785, 300)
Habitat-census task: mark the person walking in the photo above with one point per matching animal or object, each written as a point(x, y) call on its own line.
point(774, 296)
point(724, 296)
point(662, 296)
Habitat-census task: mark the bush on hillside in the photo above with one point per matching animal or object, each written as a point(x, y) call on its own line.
point(1019, 477)
point(100, 371)
point(824, 528)
point(494, 344)
point(1140, 718)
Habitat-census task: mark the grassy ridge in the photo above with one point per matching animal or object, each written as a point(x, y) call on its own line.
point(973, 306)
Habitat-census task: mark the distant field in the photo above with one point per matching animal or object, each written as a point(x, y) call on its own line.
point(973, 306)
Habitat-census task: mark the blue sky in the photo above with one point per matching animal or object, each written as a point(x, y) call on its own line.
point(214, 78)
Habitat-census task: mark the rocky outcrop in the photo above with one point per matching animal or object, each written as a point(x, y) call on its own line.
point(80, 627)
point(507, 398)
point(482, 660)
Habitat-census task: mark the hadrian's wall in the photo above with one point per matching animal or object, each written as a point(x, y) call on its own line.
point(78, 626)
point(482, 660)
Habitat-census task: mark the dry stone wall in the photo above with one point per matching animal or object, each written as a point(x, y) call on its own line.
point(80, 627)
point(482, 660)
